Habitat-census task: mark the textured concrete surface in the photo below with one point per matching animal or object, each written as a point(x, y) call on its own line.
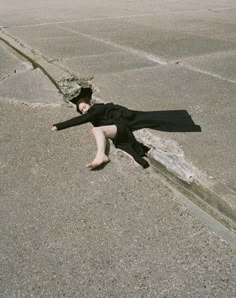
point(21, 82)
point(31, 87)
point(133, 56)
point(11, 64)
point(220, 65)
point(173, 87)
point(112, 62)
point(119, 231)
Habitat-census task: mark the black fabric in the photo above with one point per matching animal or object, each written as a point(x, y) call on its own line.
point(128, 121)
point(126, 141)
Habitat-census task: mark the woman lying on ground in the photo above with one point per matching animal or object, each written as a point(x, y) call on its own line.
point(117, 123)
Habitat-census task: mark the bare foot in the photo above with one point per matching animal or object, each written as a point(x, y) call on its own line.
point(98, 161)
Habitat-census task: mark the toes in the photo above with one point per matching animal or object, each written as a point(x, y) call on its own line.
point(92, 165)
point(96, 164)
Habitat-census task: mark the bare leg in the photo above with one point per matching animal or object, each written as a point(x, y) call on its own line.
point(102, 133)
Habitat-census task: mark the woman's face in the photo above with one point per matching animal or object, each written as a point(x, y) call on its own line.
point(84, 107)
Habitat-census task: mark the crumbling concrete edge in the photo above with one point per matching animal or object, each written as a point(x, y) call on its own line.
point(201, 195)
point(67, 83)
point(189, 185)
point(167, 160)
point(29, 54)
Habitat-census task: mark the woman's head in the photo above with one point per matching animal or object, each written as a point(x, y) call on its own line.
point(83, 106)
point(83, 101)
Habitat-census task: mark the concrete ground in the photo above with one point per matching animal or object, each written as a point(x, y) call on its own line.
point(118, 232)
point(150, 56)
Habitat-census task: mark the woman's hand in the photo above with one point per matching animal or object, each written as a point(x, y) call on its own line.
point(54, 128)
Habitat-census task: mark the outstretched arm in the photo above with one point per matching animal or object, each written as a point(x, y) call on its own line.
point(72, 122)
point(94, 112)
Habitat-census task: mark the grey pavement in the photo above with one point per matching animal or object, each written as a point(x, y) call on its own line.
point(10, 63)
point(21, 82)
point(118, 232)
point(151, 57)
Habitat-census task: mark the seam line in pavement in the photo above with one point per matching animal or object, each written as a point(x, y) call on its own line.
point(28, 57)
point(143, 54)
point(202, 196)
point(196, 69)
point(125, 17)
point(205, 198)
point(206, 55)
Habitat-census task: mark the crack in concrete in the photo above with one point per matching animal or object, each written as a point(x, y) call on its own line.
point(27, 53)
point(146, 55)
point(33, 51)
point(168, 159)
point(142, 54)
point(186, 171)
point(18, 71)
point(124, 17)
point(34, 64)
point(68, 83)
point(6, 77)
point(169, 153)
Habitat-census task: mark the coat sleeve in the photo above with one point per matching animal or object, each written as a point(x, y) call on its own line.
point(120, 107)
point(85, 118)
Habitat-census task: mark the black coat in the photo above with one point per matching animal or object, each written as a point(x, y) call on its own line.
point(128, 120)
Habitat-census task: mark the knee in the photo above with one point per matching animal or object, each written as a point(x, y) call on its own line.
point(95, 129)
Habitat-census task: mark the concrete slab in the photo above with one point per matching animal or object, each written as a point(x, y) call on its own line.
point(106, 63)
point(31, 87)
point(214, 24)
point(72, 232)
point(180, 6)
point(39, 32)
point(222, 65)
point(169, 44)
point(35, 12)
point(171, 37)
point(162, 31)
point(64, 46)
point(208, 99)
point(12, 12)
point(67, 231)
point(10, 63)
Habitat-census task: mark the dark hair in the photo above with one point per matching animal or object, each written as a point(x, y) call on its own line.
point(84, 96)
point(83, 100)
